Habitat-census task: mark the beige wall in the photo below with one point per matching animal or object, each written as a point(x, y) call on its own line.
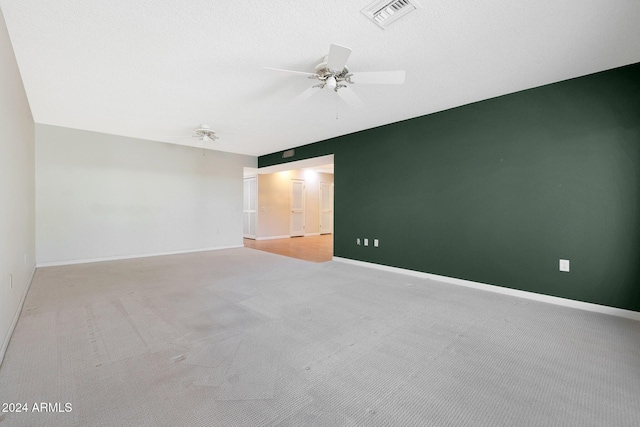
point(273, 201)
point(17, 190)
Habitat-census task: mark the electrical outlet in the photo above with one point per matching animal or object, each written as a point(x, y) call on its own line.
point(564, 265)
point(358, 241)
point(366, 242)
point(375, 243)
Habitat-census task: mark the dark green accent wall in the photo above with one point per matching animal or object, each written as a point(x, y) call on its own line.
point(499, 190)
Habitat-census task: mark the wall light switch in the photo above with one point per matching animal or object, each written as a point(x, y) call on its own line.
point(358, 241)
point(564, 265)
point(375, 243)
point(366, 242)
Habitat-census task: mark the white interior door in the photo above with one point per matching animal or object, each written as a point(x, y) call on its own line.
point(297, 207)
point(326, 208)
point(249, 207)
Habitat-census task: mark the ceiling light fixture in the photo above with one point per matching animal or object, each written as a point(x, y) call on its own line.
point(331, 82)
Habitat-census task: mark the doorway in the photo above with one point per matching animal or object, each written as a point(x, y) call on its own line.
point(294, 209)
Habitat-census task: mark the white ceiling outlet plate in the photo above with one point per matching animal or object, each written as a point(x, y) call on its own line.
point(564, 265)
point(384, 12)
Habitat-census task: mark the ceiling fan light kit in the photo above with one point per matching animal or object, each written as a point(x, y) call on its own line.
point(332, 78)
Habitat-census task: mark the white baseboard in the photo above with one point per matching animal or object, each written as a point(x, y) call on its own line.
point(16, 316)
point(116, 258)
point(613, 311)
point(311, 234)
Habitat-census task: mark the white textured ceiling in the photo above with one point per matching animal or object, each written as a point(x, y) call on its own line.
point(152, 68)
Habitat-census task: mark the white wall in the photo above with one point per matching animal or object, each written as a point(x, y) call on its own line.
point(101, 196)
point(17, 226)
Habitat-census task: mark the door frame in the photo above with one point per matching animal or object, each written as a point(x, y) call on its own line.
point(248, 212)
point(330, 184)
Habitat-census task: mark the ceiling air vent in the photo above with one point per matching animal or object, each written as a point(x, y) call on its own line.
point(385, 12)
point(288, 153)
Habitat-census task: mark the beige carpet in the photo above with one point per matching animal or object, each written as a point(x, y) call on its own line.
point(246, 338)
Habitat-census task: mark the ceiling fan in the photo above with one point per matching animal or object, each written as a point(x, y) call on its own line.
point(333, 74)
point(204, 133)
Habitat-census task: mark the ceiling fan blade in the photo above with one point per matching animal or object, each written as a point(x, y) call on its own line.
point(379, 77)
point(337, 58)
point(350, 97)
point(308, 93)
point(290, 72)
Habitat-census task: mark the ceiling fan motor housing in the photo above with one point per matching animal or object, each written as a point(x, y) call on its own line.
point(323, 73)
